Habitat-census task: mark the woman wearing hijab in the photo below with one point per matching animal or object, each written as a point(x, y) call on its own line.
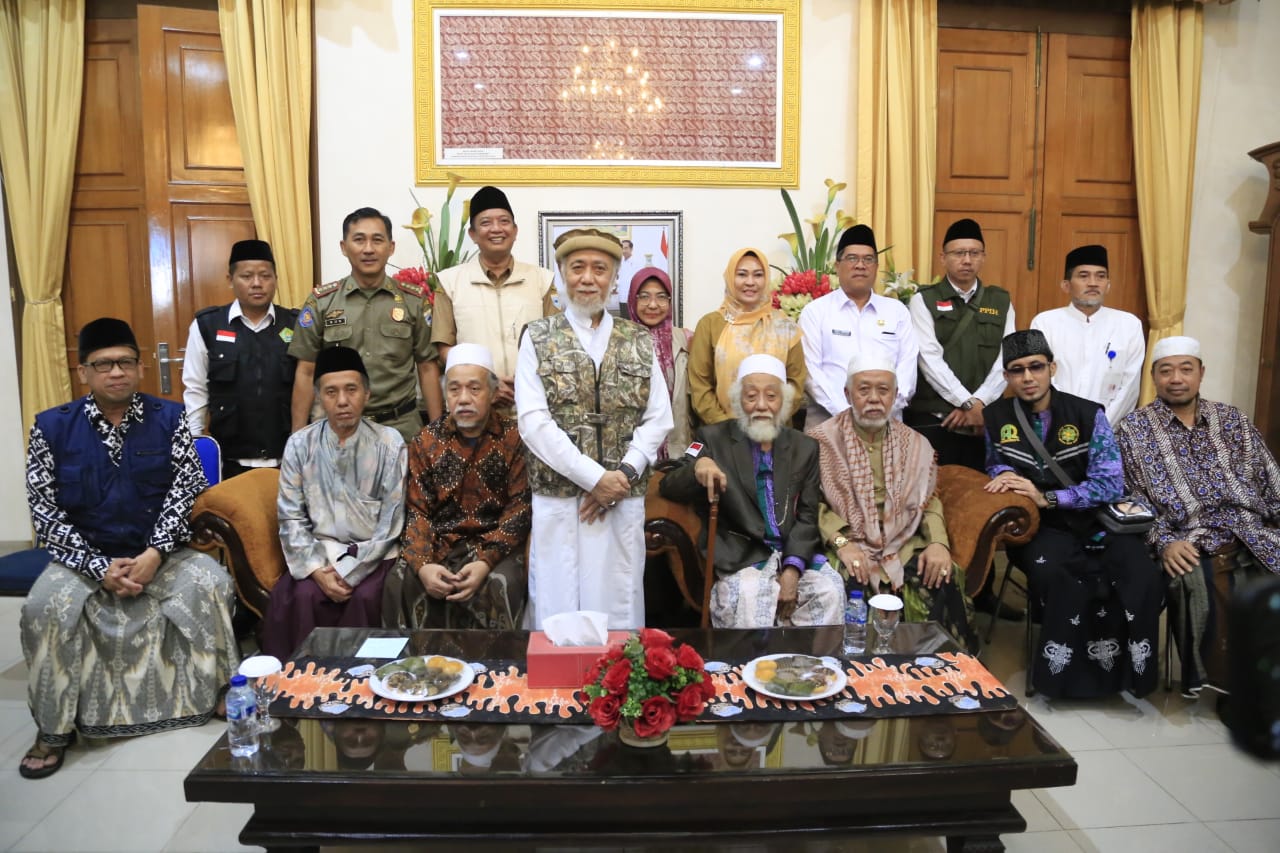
point(746, 323)
point(649, 302)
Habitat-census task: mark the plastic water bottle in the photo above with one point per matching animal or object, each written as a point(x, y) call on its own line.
point(855, 624)
point(242, 718)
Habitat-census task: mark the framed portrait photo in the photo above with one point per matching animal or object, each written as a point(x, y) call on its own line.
point(649, 239)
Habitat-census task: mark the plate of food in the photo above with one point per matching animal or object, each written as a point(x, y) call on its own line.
point(800, 678)
point(421, 679)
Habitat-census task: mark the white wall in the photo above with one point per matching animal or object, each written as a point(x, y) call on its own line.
point(15, 521)
point(364, 79)
point(1227, 264)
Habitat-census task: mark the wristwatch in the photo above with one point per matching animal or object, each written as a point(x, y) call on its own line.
point(1051, 500)
point(967, 405)
point(632, 475)
point(840, 541)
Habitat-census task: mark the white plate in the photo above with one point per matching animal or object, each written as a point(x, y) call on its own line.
point(749, 669)
point(885, 601)
point(462, 682)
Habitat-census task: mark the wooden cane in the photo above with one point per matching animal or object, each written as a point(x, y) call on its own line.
point(709, 575)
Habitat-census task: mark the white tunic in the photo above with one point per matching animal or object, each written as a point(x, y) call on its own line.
point(576, 566)
point(833, 328)
point(1099, 357)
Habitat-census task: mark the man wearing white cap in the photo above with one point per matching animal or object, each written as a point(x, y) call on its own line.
point(468, 511)
point(881, 517)
point(593, 410)
point(765, 476)
point(1215, 488)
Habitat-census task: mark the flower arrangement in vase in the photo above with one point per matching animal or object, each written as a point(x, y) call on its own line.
point(812, 266)
point(645, 685)
point(437, 254)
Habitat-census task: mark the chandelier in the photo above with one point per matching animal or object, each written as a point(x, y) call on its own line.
point(611, 82)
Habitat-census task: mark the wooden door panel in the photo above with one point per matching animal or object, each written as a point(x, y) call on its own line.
point(105, 277)
point(203, 147)
point(109, 154)
point(986, 112)
point(202, 238)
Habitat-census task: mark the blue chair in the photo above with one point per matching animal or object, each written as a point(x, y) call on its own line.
point(18, 571)
point(210, 458)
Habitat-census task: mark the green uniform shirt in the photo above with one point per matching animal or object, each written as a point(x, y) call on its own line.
point(389, 325)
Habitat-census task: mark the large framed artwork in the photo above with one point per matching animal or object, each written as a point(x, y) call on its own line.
point(659, 92)
point(650, 239)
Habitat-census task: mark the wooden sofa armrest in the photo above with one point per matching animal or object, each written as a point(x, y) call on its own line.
point(672, 530)
point(239, 515)
point(979, 522)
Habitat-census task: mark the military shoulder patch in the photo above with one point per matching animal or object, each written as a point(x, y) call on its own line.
point(326, 289)
point(411, 288)
point(307, 318)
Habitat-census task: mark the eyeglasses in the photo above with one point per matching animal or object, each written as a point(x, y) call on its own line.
point(1034, 368)
point(652, 297)
point(106, 365)
point(855, 260)
point(965, 253)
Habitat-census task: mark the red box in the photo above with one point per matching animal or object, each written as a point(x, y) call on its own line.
point(550, 665)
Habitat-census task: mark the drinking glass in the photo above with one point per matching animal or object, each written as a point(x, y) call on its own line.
point(257, 669)
point(886, 611)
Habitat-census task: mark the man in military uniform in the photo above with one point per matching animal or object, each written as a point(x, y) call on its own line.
point(385, 320)
point(593, 410)
point(490, 298)
point(237, 371)
point(960, 322)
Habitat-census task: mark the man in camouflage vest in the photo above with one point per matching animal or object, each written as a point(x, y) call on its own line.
point(593, 410)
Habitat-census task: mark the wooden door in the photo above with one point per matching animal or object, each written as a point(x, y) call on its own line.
point(988, 114)
point(1035, 142)
point(197, 200)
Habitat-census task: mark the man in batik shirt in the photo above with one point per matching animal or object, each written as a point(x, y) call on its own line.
point(767, 536)
point(468, 511)
point(340, 508)
point(1215, 488)
point(126, 631)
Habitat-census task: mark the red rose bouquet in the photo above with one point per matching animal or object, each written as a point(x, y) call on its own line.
point(649, 682)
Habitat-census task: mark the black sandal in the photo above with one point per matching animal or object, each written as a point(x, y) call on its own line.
point(43, 752)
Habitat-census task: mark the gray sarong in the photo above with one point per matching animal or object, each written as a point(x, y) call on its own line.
point(118, 667)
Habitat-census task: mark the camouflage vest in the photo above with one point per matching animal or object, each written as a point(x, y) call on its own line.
point(599, 413)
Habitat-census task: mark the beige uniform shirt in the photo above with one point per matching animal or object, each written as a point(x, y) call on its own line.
point(472, 309)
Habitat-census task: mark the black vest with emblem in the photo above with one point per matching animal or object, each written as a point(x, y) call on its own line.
point(1070, 432)
point(598, 409)
point(250, 382)
point(970, 334)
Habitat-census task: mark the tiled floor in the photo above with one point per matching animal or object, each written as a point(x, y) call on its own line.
point(1157, 774)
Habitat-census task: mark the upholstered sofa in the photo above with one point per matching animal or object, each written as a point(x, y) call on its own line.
point(238, 518)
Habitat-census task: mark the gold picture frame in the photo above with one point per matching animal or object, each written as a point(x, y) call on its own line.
point(482, 112)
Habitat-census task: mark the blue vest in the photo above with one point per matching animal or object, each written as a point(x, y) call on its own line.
point(114, 508)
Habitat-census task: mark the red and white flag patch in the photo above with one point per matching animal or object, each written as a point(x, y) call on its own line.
point(694, 449)
point(944, 305)
point(225, 336)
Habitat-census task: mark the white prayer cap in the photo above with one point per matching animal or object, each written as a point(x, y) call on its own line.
point(855, 729)
point(875, 359)
point(461, 354)
point(761, 363)
point(1179, 345)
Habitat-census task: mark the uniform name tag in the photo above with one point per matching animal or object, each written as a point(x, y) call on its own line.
point(694, 449)
point(225, 336)
point(844, 333)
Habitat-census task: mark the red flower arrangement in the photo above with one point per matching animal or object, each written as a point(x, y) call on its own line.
point(649, 682)
point(798, 290)
point(422, 278)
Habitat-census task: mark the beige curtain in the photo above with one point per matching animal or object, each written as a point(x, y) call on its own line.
point(1165, 85)
point(41, 81)
point(269, 55)
point(897, 126)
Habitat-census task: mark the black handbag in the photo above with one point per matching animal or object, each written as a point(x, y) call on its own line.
point(1123, 516)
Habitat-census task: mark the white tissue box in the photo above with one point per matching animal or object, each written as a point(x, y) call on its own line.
point(550, 665)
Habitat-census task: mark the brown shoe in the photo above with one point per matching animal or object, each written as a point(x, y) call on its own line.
point(41, 752)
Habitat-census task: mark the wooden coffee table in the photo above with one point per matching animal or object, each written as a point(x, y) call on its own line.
point(456, 786)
